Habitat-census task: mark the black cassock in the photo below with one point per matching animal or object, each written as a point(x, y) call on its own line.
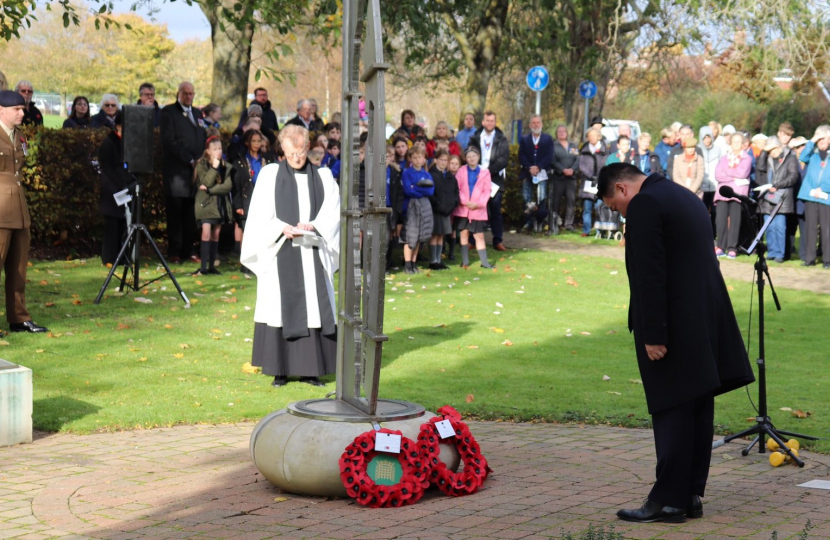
point(679, 299)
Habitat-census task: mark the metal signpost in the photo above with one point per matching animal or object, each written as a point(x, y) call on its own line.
point(538, 79)
point(588, 90)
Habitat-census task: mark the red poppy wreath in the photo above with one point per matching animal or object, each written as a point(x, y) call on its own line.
point(475, 471)
point(406, 482)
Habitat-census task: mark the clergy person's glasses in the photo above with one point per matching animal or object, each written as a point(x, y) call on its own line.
point(296, 155)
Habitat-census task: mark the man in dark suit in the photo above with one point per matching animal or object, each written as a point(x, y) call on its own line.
point(14, 213)
point(688, 343)
point(183, 142)
point(535, 156)
point(494, 149)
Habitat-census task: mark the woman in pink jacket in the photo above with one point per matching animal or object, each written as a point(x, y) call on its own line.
point(474, 192)
point(733, 170)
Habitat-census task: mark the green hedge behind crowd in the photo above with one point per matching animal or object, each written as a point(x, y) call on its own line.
point(63, 191)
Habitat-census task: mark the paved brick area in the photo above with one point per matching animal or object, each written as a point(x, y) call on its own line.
point(198, 482)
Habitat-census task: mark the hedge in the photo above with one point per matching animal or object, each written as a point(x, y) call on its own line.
point(63, 191)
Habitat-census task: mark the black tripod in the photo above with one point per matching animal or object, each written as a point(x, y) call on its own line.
point(763, 427)
point(131, 251)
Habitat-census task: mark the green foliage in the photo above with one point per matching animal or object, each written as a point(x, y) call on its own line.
point(805, 113)
point(595, 534)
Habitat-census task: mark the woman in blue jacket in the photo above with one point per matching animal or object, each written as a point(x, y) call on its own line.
point(815, 192)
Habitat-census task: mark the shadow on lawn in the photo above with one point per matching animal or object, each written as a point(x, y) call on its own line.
point(422, 337)
point(52, 413)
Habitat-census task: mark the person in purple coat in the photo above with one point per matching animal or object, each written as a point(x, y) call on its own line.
point(733, 170)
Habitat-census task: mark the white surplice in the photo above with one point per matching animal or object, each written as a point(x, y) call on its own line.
point(264, 237)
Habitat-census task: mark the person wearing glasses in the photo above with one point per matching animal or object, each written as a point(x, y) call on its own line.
point(292, 244)
point(106, 116)
point(147, 98)
point(31, 114)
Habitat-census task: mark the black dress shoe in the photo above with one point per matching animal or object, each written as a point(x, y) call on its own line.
point(213, 272)
point(313, 381)
point(806, 263)
point(27, 326)
point(651, 512)
point(280, 381)
point(694, 509)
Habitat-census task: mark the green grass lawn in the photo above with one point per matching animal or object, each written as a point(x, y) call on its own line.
point(530, 341)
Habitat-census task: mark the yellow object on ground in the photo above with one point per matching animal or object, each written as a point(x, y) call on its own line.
point(772, 445)
point(776, 459)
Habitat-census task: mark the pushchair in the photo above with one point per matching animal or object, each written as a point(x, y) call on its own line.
point(536, 212)
point(607, 222)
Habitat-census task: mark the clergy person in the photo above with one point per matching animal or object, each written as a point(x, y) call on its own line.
point(292, 244)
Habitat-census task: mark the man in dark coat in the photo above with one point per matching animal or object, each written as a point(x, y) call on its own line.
point(269, 117)
point(183, 142)
point(535, 156)
point(147, 98)
point(305, 116)
point(688, 343)
point(494, 149)
point(31, 114)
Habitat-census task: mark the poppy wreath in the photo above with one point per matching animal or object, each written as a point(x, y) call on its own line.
point(475, 471)
point(354, 474)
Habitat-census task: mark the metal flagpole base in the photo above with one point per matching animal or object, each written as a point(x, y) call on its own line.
point(298, 448)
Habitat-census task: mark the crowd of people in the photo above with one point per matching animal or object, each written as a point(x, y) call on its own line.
point(462, 175)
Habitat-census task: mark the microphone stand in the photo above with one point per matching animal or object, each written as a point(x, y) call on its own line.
point(763, 427)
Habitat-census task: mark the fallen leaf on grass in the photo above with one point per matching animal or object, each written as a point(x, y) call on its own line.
point(43, 282)
point(563, 260)
point(499, 305)
point(442, 325)
point(606, 378)
point(611, 332)
point(472, 346)
point(248, 368)
point(470, 398)
point(615, 393)
point(3, 343)
point(49, 304)
point(168, 326)
point(184, 346)
point(787, 409)
point(572, 282)
point(142, 300)
point(798, 413)
point(507, 343)
point(142, 359)
point(77, 302)
point(122, 326)
point(585, 333)
point(635, 381)
point(498, 330)
point(179, 355)
point(39, 351)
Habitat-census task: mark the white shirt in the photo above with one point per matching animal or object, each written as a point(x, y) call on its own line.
point(486, 143)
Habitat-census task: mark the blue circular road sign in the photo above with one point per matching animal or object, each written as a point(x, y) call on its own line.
point(587, 89)
point(538, 78)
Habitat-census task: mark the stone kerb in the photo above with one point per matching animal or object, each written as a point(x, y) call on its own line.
point(15, 404)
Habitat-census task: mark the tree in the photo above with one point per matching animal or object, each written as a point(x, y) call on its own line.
point(232, 23)
point(77, 60)
point(453, 38)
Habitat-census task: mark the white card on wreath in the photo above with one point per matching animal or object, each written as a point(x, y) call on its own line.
point(388, 442)
point(445, 429)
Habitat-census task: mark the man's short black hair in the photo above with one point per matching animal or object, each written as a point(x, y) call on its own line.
point(623, 137)
point(613, 173)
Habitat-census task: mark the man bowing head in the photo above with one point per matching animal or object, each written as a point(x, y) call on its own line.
point(292, 244)
point(688, 344)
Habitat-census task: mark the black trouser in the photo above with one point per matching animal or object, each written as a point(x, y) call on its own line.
point(683, 440)
point(709, 201)
point(728, 221)
point(567, 189)
point(114, 230)
point(494, 215)
point(181, 226)
point(815, 215)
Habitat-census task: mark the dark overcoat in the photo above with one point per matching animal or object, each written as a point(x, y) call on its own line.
point(679, 299)
point(182, 142)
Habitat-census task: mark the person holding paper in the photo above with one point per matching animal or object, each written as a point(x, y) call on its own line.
point(778, 166)
point(114, 178)
point(292, 244)
point(536, 158)
point(592, 158)
point(815, 192)
point(687, 341)
point(733, 170)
